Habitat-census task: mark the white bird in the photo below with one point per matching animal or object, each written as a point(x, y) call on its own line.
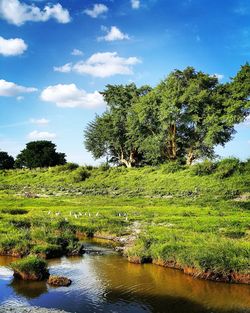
point(97, 214)
point(49, 213)
point(75, 215)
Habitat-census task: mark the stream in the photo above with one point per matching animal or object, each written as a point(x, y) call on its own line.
point(108, 283)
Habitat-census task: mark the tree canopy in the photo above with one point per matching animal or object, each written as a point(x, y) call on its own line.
point(40, 154)
point(182, 119)
point(6, 161)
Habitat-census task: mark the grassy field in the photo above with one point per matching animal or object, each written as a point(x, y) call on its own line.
point(196, 217)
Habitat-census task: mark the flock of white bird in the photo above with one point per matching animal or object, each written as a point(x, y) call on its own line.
point(79, 214)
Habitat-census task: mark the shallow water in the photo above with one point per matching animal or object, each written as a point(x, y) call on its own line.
point(108, 283)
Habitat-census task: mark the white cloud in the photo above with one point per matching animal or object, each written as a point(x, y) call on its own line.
point(98, 9)
point(113, 34)
point(76, 52)
point(9, 89)
point(69, 96)
point(135, 4)
point(36, 135)
point(39, 121)
point(17, 13)
point(66, 68)
point(13, 46)
point(102, 64)
point(219, 76)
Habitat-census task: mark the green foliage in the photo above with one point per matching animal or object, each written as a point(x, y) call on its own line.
point(112, 134)
point(204, 168)
point(6, 161)
point(30, 265)
point(194, 220)
point(80, 174)
point(183, 117)
point(171, 167)
point(39, 154)
point(227, 167)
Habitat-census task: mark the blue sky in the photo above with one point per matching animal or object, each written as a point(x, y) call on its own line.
point(55, 56)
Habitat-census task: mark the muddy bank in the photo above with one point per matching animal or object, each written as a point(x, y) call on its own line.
point(125, 242)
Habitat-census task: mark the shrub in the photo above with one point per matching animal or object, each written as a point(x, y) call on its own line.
point(104, 167)
point(80, 174)
point(171, 167)
point(205, 168)
point(48, 250)
point(227, 167)
point(15, 211)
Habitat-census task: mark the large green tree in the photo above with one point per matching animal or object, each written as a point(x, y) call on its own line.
point(40, 154)
point(6, 161)
point(190, 112)
point(109, 135)
point(183, 118)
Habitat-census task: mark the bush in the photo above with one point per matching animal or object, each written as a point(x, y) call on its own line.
point(171, 167)
point(227, 167)
point(48, 250)
point(80, 174)
point(104, 167)
point(205, 168)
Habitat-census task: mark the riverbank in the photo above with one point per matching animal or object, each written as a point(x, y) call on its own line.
point(195, 222)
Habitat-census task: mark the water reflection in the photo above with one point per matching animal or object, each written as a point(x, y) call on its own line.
point(29, 290)
point(109, 283)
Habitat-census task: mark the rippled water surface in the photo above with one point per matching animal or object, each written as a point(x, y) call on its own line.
point(108, 283)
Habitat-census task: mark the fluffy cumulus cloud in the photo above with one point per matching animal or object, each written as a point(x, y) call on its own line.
point(102, 64)
point(66, 68)
point(39, 121)
point(17, 12)
point(113, 34)
point(69, 96)
point(9, 89)
point(36, 135)
point(76, 52)
point(135, 4)
point(97, 10)
point(13, 46)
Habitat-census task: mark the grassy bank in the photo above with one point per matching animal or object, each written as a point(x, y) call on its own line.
point(194, 217)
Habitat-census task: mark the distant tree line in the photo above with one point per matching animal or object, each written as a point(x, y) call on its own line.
point(182, 119)
point(40, 153)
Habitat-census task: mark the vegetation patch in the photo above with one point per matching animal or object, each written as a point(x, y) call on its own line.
point(30, 268)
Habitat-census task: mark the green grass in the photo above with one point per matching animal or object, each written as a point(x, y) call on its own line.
point(30, 265)
point(196, 216)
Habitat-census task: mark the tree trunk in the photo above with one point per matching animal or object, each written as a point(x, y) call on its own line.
point(171, 143)
point(131, 160)
point(190, 157)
